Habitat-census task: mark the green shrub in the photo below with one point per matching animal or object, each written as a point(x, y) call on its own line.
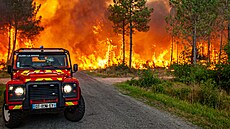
point(221, 75)
point(146, 79)
point(133, 82)
point(201, 73)
point(184, 93)
point(208, 94)
point(181, 93)
point(189, 74)
point(182, 72)
point(160, 88)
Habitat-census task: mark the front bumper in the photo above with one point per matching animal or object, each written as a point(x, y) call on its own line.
point(41, 93)
point(21, 107)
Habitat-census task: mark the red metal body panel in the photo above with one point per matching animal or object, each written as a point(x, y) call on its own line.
point(13, 82)
point(34, 74)
point(22, 76)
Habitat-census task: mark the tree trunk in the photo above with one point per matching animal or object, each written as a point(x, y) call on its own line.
point(221, 44)
point(194, 45)
point(228, 41)
point(209, 46)
point(15, 37)
point(9, 44)
point(123, 42)
point(177, 56)
point(172, 50)
point(131, 35)
point(131, 45)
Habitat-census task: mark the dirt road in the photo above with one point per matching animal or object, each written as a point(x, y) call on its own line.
point(106, 108)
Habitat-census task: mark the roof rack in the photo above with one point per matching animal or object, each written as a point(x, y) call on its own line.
point(41, 50)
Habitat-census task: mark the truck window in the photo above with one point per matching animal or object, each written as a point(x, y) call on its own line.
point(29, 60)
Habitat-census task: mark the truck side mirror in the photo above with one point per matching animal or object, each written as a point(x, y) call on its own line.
point(75, 67)
point(9, 69)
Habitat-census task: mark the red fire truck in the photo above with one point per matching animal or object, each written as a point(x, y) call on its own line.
point(42, 82)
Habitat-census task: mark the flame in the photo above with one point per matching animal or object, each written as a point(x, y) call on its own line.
point(88, 34)
point(84, 29)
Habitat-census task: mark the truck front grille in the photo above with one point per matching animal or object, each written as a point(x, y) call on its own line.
point(43, 91)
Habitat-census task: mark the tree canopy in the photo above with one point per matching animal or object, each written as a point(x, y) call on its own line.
point(194, 18)
point(20, 15)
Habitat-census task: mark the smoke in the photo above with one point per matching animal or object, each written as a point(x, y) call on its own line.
point(156, 40)
point(82, 27)
point(73, 26)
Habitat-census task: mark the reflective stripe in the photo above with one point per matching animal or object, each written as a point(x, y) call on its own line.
point(48, 71)
point(39, 79)
point(46, 79)
point(36, 71)
point(69, 103)
point(25, 71)
point(27, 80)
point(17, 107)
point(59, 79)
point(59, 71)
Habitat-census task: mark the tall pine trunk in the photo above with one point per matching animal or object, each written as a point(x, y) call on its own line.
point(172, 50)
point(123, 27)
point(193, 61)
point(131, 45)
point(177, 56)
point(9, 44)
point(228, 51)
point(209, 51)
point(221, 44)
point(131, 35)
point(15, 37)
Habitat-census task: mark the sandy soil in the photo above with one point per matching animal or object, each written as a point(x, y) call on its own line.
point(4, 80)
point(112, 81)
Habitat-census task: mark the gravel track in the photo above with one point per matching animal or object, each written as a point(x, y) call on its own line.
point(106, 108)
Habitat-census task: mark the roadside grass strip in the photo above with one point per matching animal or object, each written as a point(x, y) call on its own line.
point(197, 114)
point(4, 74)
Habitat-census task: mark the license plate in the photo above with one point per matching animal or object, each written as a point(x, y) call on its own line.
point(44, 105)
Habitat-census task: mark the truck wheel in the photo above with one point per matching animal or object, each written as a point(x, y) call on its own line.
point(12, 119)
point(75, 113)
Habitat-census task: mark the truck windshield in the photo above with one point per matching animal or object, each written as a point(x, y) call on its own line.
point(44, 60)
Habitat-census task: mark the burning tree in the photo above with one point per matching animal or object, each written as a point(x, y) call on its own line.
point(195, 19)
point(118, 16)
point(224, 20)
point(130, 15)
point(20, 19)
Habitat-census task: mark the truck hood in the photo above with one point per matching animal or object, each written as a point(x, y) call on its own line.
point(41, 75)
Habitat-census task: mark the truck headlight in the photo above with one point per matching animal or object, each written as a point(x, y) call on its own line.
point(67, 88)
point(19, 91)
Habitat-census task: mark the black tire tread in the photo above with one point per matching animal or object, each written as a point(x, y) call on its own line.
point(78, 113)
point(16, 118)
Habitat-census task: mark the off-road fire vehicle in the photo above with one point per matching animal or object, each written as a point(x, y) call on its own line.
point(42, 82)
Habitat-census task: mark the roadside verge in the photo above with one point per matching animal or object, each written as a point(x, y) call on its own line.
point(197, 114)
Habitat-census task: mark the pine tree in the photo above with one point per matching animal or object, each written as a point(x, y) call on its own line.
point(195, 18)
point(21, 15)
point(134, 14)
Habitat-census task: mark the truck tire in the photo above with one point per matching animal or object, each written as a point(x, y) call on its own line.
point(12, 119)
point(75, 113)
